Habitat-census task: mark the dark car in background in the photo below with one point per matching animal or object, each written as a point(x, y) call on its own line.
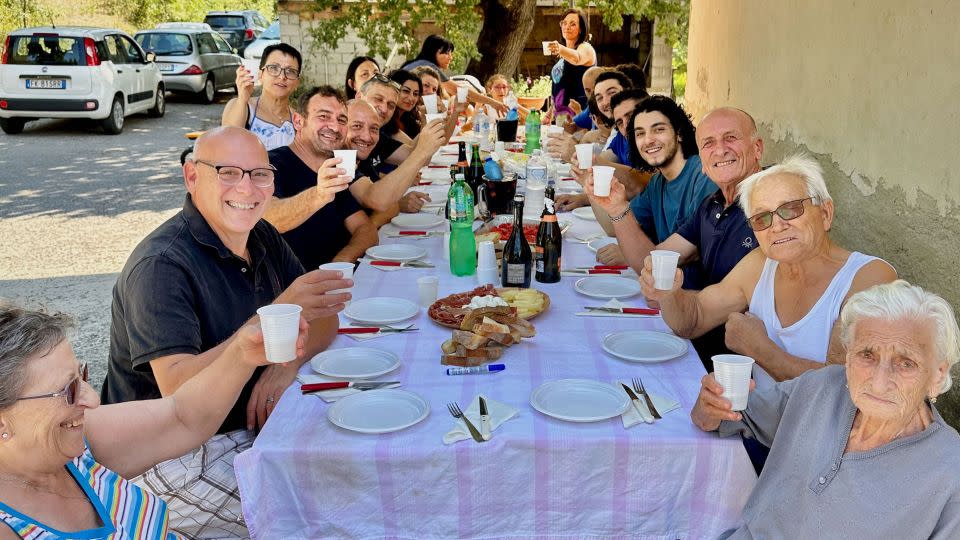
point(239, 28)
point(192, 58)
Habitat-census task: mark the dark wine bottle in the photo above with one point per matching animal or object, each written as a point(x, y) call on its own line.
point(549, 243)
point(517, 263)
point(475, 176)
point(548, 194)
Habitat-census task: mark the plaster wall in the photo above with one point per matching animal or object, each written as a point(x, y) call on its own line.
point(868, 88)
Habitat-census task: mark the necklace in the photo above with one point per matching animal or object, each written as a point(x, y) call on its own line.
point(31, 485)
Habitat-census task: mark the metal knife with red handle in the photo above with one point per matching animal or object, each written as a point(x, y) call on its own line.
point(368, 385)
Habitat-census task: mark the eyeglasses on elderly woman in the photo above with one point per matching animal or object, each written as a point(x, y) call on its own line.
point(274, 70)
point(787, 211)
point(69, 391)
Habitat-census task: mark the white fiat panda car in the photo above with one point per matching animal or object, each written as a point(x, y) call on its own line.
point(76, 72)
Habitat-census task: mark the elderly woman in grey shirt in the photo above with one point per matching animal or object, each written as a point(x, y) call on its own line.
point(859, 450)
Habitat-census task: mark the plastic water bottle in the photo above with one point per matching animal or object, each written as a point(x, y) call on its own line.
point(484, 132)
point(477, 120)
point(463, 245)
point(492, 170)
point(532, 126)
point(535, 185)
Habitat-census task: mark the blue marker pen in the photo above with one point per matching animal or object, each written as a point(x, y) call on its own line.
point(489, 368)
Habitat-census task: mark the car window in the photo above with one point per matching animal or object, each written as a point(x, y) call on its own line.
point(165, 44)
point(47, 50)
point(261, 21)
point(134, 55)
point(206, 43)
point(272, 32)
point(114, 50)
point(222, 45)
point(225, 21)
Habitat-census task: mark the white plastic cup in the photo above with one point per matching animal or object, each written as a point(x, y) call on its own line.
point(446, 245)
point(434, 116)
point(345, 267)
point(664, 268)
point(462, 94)
point(348, 161)
point(486, 256)
point(546, 48)
point(280, 324)
point(584, 155)
point(500, 148)
point(488, 274)
point(602, 178)
point(733, 371)
point(427, 290)
point(430, 102)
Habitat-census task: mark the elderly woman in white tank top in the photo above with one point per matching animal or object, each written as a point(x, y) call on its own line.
point(793, 286)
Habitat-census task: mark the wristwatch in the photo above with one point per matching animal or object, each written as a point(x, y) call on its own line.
point(620, 216)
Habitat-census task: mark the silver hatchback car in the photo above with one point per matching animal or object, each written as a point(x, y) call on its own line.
point(192, 58)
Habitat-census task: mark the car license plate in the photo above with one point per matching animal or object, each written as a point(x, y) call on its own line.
point(166, 67)
point(55, 84)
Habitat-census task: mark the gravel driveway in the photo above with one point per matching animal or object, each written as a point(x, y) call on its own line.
point(75, 202)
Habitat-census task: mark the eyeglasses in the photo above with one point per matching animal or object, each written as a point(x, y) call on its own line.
point(69, 391)
point(389, 82)
point(787, 211)
point(274, 70)
point(231, 176)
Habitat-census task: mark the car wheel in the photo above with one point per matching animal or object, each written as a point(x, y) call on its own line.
point(113, 124)
point(209, 92)
point(12, 126)
point(160, 105)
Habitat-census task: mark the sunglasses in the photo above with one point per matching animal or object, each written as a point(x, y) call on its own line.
point(787, 211)
point(389, 82)
point(70, 391)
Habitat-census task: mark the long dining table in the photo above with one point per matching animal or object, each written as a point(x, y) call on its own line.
point(538, 477)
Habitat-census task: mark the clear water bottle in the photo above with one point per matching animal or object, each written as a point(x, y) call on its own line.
point(535, 185)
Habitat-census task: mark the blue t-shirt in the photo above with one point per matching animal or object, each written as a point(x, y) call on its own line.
point(663, 206)
point(722, 236)
point(583, 120)
point(620, 146)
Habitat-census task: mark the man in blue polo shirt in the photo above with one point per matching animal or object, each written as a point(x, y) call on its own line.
point(662, 140)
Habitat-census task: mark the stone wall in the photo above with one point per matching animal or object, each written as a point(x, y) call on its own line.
point(868, 88)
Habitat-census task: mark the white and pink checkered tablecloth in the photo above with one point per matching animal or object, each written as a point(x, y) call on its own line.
point(537, 477)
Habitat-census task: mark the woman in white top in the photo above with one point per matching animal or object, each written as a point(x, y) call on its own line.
point(794, 285)
point(269, 116)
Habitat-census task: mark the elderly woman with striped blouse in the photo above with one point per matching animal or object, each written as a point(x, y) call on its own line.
point(64, 460)
point(857, 451)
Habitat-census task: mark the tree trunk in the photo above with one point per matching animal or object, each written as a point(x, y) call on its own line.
point(506, 26)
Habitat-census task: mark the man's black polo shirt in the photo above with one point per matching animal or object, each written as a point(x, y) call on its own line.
point(722, 236)
point(318, 239)
point(182, 291)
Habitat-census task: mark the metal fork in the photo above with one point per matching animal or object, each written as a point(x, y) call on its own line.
point(638, 388)
point(458, 414)
point(586, 240)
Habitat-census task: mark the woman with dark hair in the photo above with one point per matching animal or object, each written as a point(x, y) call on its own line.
point(360, 70)
point(576, 55)
point(436, 53)
point(406, 117)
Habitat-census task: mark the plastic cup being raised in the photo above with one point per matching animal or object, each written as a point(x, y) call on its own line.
point(462, 94)
point(584, 156)
point(430, 102)
point(434, 116)
point(732, 371)
point(664, 268)
point(546, 48)
point(345, 267)
point(602, 177)
point(427, 290)
point(348, 161)
point(280, 324)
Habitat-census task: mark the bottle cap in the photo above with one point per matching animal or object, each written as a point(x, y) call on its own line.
point(496, 367)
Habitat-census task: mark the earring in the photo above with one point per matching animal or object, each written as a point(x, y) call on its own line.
point(5, 435)
point(933, 399)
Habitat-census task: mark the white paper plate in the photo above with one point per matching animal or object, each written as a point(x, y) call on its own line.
point(598, 243)
point(585, 212)
point(396, 252)
point(579, 400)
point(644, 346)
point(354, 363)
point(381, 310)
point(424, 221)
point(607, 287)
point(378, 411)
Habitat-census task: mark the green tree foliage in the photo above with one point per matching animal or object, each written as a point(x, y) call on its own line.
point(673, 15)
point(386, 23)
point(146, 14)
point(16, 14)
